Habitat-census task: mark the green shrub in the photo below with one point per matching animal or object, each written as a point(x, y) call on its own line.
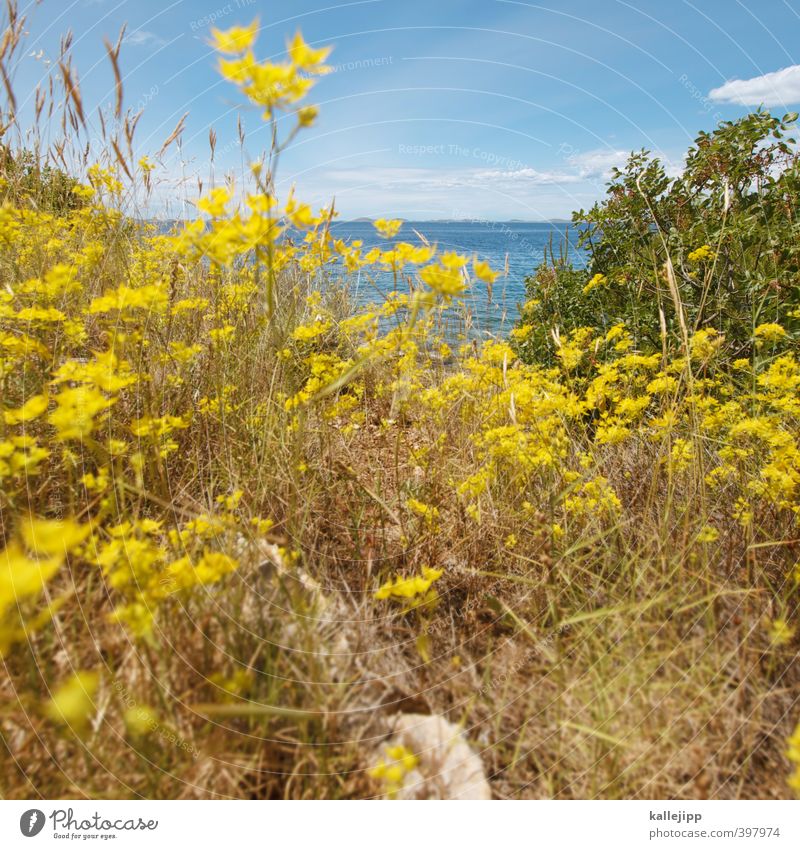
point(26, 181)
point(725, 230)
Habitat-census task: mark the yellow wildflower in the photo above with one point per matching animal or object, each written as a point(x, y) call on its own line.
point(596, 281)
point(769, 332)
point(701, 254)
point(31, 409)
point(237, 39)
point(73, 703)
point(483, 271)
point(388, 228)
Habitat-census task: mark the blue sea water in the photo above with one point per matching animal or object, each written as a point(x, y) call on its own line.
point(513, 248)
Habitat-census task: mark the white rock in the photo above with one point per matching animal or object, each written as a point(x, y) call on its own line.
point(447, 768)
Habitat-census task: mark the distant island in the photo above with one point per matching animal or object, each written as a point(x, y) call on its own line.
point(366, 220)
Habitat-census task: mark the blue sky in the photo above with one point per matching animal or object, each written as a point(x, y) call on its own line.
point(492, 109)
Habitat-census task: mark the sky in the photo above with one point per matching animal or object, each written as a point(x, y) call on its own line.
point(436, 109)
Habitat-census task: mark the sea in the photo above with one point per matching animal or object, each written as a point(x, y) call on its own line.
point(514, 248)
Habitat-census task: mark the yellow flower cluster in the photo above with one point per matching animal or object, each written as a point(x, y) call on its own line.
point(27, 565)
point(793, 754)
point(429, 513)
point(701, 254)
point(417, 588)
point(394, 768)
point(141, 567)
point(596, 281)
point(769, 332)
point(271, 85)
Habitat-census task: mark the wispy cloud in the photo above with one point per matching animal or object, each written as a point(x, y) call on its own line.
point(430, 179)
point(422, 193)
point(486, 178)
point(144, 38)
point(773, 89)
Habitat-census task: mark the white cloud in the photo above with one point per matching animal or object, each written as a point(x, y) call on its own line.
point(776, 88)
point(598, 163)
point(595, 165)
point(528, 175)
